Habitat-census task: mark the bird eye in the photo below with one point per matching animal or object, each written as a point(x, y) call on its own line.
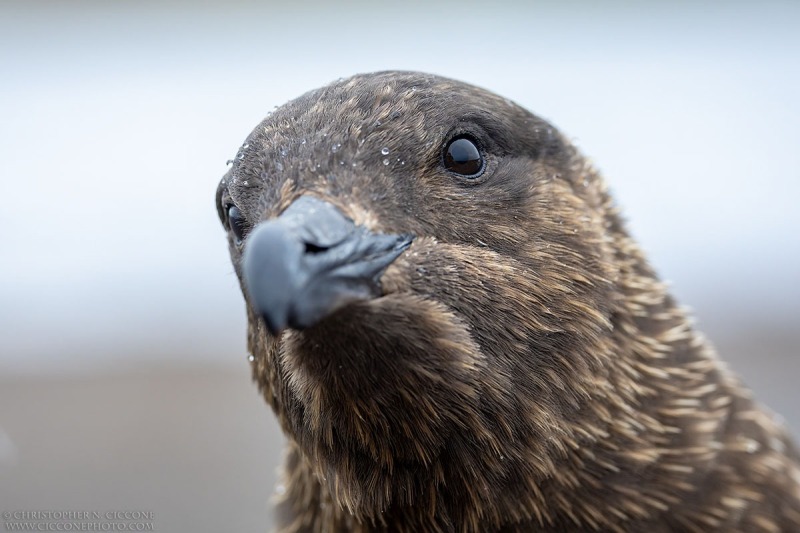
point(462, 156)
point(236, 222)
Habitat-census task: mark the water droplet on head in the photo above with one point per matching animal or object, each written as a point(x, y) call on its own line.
point(279, 166)
point(385, 150)
point(303, 141)
point(280, 489)
point(246, 183)
point(777, 444)
point(251, 357)
point(386, 162)
point(335, 148)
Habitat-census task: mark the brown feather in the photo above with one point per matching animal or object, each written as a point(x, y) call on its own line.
point(524, 370)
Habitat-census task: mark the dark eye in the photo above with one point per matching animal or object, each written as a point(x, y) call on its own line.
point(236, 222)
point(462, 156)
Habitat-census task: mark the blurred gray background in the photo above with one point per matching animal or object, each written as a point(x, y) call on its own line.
point(124, 382)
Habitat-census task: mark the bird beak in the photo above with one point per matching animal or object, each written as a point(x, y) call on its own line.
point(311, 261)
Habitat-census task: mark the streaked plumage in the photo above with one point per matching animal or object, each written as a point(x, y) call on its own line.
point(523, 368)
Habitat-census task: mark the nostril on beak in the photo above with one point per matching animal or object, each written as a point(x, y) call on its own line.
point(311, 248)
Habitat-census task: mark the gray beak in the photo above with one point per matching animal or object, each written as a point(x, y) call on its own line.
point(310, 261)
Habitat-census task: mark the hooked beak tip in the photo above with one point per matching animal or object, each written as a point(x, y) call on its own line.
point(275, 325)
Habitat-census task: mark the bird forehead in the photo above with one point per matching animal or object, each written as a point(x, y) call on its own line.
point(368, 132)
point(386, 108)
